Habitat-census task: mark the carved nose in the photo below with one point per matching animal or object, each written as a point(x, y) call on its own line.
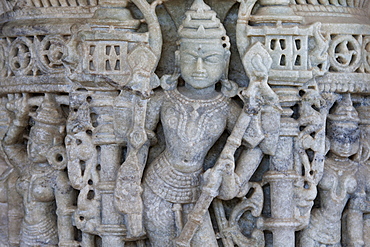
point(200, 65)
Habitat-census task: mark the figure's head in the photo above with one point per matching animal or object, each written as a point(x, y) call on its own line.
point(343, 130)
point(48, 132)
point(204, 47)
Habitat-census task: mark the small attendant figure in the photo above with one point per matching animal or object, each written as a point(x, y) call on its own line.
point(43, 183)
point(339, 180)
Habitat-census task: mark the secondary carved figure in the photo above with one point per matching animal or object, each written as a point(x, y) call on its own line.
point(43, 183)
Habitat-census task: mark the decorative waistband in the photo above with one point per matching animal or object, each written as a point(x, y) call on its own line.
point(173, 185)
point(44, 232)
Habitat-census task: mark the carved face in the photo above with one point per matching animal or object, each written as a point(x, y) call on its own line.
point(202, 64)
point(344, 141)
point(39, 143)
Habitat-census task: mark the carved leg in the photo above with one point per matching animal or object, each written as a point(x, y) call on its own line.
point(15, 211)
point(205, 236)
point(159, 219)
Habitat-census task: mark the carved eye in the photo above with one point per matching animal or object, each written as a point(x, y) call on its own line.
point(188, 58)
point(213, 59)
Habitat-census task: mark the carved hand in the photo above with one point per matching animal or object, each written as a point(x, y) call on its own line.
point(19, 105)
point(224, 177)
point(226, 164)
point(251, 98)
point(330, 99)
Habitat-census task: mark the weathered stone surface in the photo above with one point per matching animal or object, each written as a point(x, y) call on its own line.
point(184, 123)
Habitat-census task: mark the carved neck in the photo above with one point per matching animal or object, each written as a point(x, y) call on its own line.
point(338, 158)
point(195, 93)
point(340, 163)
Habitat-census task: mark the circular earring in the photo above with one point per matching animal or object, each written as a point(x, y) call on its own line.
point(57, 157)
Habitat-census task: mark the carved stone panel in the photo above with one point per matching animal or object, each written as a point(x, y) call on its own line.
point(184, 123)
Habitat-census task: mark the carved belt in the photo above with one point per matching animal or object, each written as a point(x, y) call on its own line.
point(324, 229)
point(172, 185)
point(41, 233)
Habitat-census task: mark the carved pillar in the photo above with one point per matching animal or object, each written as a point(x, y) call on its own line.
point(105, 68)
point(111, 230)
point(286, 40)
point(337, 66)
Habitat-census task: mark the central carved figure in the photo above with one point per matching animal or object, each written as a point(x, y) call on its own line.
point(193, 117)
point(173, 195)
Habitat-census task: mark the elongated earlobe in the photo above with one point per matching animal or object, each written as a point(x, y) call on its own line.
point(177, 61)
point(169, 82)
point(229, 88)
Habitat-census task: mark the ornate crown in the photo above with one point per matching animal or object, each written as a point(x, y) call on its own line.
point(49, 112)
point(201, 22)
point(344, 112)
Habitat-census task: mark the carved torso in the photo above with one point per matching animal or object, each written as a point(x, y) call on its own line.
point(336, 186)
point(36, 187)
point(191, 127)
point(37, 190)
point(339, 179)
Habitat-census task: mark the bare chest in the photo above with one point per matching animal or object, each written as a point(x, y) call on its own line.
point(193, 121)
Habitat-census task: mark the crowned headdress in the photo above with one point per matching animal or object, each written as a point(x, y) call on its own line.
point(344, 112)
point(201, 23)
point(49, 112)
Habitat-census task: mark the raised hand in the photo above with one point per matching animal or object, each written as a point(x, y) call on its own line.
point(18, 103)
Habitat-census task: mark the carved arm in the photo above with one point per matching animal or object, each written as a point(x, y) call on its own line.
point(13, 142)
